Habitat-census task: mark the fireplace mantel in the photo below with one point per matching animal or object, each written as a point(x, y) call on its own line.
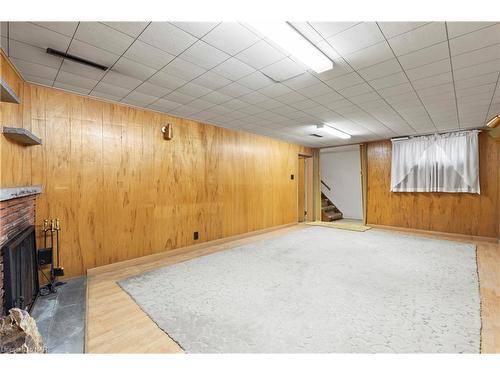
point(7, 193)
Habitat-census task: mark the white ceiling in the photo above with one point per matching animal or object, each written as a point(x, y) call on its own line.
point(389, 78)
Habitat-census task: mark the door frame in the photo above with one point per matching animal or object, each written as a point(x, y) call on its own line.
point(309, 200)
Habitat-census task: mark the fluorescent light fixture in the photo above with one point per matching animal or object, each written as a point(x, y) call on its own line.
point(327, 128)
point(284, 35)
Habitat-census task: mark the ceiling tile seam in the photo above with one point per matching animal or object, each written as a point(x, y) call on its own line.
point(116, 61)
point(408, 31)
point(365, 81)
point(452, 74)
point(121, 32)
point(408, 78)
point(476, 30)
point(491, 101)
point(67, 49)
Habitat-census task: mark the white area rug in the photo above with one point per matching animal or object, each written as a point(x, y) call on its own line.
point(320, 290)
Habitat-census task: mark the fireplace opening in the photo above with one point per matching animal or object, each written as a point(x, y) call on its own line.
point(20, 270)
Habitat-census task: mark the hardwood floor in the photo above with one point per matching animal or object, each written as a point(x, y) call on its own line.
point(116, 324)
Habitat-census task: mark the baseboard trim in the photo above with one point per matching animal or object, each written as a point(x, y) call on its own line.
point(457, 236)
point(181, 250)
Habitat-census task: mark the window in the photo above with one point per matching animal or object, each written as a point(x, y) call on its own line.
point(436, 163)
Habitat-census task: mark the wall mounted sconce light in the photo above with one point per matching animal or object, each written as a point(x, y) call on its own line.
point(167, 131)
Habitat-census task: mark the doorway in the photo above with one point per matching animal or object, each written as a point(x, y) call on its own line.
point(341, 182)
point(304, 189)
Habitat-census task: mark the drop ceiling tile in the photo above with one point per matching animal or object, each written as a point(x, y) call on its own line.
point(260, 55)
point(382, 69)
point(35, 70)
point(270, 104)
point(328, 99)
point(133, 69)
point(290, 98)
point(41, 81)
point(456, 29)
point(422, 37)
point(362, 88)
point(216, 97)
point(139, 99)
point(370, 55)
point(211, 80)
point(219, 109)
point(198, 29)
point(274, 90)
point(235, 104)
point(183, 69)
point(304, 104)
point(72, 88)
point(148, 55)
point(233, 69)
point(428, 70)
point(363, 98)
point(425, 56)
point(82, 70)
point(167, 80)
point(432, 81)
point(439, 90)
point(391, 29)
point(193, 90)
point(347, 80)
point(4, 43)
point(476, 91)
point(132, 29)
point(76, 80)
point(395, 90)
point(255, 81)
point(231, 37)
point(302, 81)
point(103, 37)
point(252, 110)
point(253, 98)
point(103, 95)
point(200, 104)
point(476, 70)
point(234, 90)
point(204, 55)
point(328, 29)
point(33, 54)
point(152, 90)
point(283, 70)
point(355, 38)
point(178, 97)
point(476, 57)
point(313, 91)
point(89, 52)
point(167, 37)
point(475, 40)
point(389, 81)
point(65, 28)
point(111, 89)
point(3, 29)
point(308, 31)
point(120, 80)
point(37, 36)
point(477, 80)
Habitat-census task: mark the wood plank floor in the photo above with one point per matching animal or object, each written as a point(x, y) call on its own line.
point(116, 324)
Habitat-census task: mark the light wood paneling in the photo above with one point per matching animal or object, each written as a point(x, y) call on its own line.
point(116, 324)
point(122, 191)
point(470, 214)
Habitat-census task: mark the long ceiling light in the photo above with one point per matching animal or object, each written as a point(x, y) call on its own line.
point(284, 35)
point(327, 128)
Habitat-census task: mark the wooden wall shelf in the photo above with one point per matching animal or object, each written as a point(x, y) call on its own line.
point(22, 136)
point(8, 95)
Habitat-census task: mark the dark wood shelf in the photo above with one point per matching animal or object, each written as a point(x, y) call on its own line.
point(22, 136)
point(8, 95)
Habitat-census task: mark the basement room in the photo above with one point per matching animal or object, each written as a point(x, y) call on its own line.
point(236, 185)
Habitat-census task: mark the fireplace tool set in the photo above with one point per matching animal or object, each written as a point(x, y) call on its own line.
point(46, 256)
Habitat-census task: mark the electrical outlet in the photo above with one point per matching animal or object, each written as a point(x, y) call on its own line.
point(292, 177)
point(195, 235)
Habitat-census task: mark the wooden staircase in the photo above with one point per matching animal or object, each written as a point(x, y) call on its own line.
point(329, 212)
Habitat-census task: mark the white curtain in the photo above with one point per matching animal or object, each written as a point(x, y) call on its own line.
point(441, 163)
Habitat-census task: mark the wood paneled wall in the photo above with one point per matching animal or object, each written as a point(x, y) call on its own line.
point(122, 191)
point(469, 214)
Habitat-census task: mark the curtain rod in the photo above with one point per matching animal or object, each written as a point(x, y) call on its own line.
point(403, 137)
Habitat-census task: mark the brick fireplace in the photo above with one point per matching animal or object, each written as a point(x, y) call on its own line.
point(17, 212)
